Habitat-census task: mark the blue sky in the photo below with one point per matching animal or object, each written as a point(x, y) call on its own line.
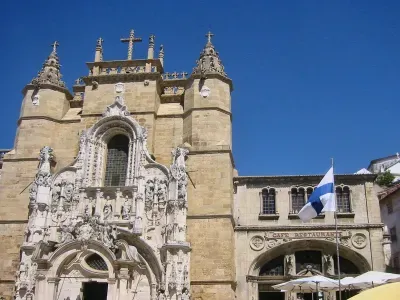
point(312, 79)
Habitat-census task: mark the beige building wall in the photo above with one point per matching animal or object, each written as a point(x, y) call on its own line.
point(260, 238)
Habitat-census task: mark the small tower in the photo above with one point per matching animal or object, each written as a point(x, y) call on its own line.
point(207, 133)
point(46, 95)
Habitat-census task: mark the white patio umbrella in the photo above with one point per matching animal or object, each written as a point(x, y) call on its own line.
point(308, 284)
point(372, 278)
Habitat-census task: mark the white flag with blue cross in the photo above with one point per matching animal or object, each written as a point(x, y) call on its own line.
point(321, 200)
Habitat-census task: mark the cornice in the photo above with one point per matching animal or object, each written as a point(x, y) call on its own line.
point(48, 86)
point(48, 119)
point(307, 227)
point(212, 76)
point(228, 150)
point(189, 111)
point(121, 77)
point(302, 179)
point(126, 63)
point(10, 222)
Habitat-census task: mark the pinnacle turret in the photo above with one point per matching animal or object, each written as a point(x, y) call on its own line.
point(50, 72)
point(209, 61)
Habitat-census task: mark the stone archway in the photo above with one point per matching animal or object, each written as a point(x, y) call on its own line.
point(66, 271)
point(298, 245)
point(260, 280)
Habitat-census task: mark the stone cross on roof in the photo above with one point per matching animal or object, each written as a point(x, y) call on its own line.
point(55, 45)
point(209, 35)
point(130, 42)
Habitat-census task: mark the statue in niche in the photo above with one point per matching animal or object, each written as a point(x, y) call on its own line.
point(182, 189)
point(328, 260)
point(149, 194)
point(290, 265)
point(126, 208)
point(162, 191)
point(107, 210)
point(45, 157)
point(89, 208)
point(68, 191)
point(56, 192)
point(178, 168)
point(185, 294)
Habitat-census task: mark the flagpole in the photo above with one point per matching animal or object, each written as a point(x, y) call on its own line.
point(337, 238)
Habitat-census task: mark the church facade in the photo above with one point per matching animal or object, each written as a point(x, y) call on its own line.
point(126, 189)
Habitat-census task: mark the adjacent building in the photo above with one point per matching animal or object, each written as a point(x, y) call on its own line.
point(273, 245)
point(389, 200)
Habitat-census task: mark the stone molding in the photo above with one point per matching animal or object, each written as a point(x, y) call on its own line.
point(308, 227)
point(48, 119)
point(299, 179)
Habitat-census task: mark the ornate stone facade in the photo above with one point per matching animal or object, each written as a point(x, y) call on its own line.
point(141, 234)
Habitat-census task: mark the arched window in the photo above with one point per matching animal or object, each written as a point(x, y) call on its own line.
point(298, 199)
point(273, 267)
point(308, 259)
point(268, 202)
point(117, 161)
point(96, 262)
point(343, 199)
point(310, 190)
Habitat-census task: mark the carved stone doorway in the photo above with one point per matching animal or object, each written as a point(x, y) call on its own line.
point(95, 291)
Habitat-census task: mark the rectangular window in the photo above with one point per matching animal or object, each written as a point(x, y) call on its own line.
point(393, 235)
point(389, 205)
point(268, 202)
point(298, 200)
point(343, 199)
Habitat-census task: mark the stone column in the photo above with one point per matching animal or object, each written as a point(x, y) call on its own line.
point(112, 291)
point(52, 286)
point(123, 278)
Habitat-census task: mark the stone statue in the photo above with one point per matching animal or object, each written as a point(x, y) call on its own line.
point(126, 208)
point(107, 210)
point(290, 264)
point(162, 191)
point(185, 294)
point(178, 168)
point(45, 157)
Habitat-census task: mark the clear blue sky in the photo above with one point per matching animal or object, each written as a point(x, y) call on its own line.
point(312, 79)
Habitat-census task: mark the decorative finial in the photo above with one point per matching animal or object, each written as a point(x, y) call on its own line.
point(209, 61)
point(50, 72)
point(130, 42)
point(100, 42)
point(151, 40)
point(209, 35)
point(55, 45)
point(161, 54)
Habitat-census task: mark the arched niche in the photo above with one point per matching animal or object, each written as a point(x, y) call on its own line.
point(291, 247)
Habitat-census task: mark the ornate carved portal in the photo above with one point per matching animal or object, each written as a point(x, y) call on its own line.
point(138, 230)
